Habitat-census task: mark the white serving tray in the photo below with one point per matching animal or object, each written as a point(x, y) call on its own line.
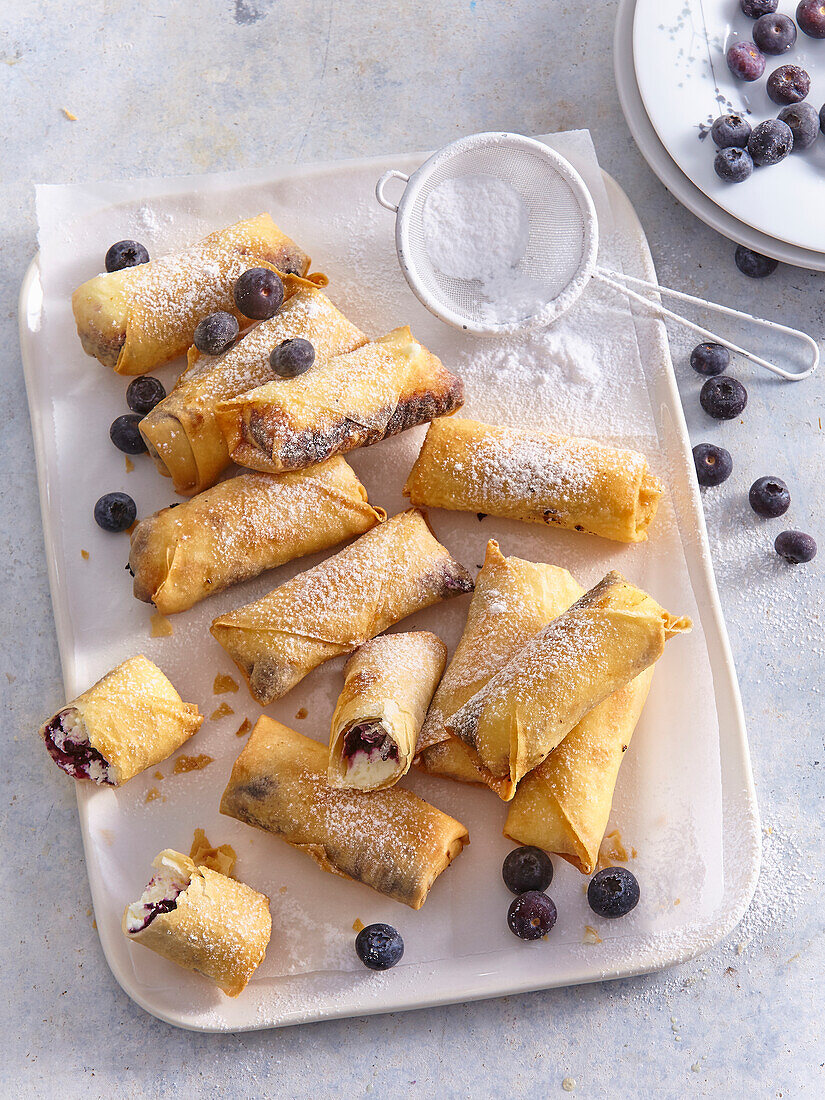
point(685, 800)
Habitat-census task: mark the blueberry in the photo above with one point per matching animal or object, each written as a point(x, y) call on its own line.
point(788, 84)
point(713, 464)
point(215, 333)
point(754, 264)
point(774, 34)
point(822, 118)
point(144, 393)
point(531, 915)
point(733, 165)
point(125, 434)
point(710, 359)
point(292, 357)
point(770, 142)
point(730, 131)
point(527, 868)
point(746, 61)
point(126, 254)
point(115, 512)
point(723, 397)
point(810, 15)
point(804, 123)
point(613, 892)
point(259, 293)
point(795, 547)
point(754, 9)
point(379, 946)
point(769, 497)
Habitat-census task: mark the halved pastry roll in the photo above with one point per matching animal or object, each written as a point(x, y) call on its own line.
point(391, 840)
point(182, 432)
point(388, 685)
point(535, 477)
point(598, 645)
point(349, 401)
point(563, 805)
point(128, 721)
point(394, 570)
point(243, 526)
point(137, 318)
point(201, 920)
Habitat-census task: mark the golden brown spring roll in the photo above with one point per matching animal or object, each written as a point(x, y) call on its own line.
point(201, 920)
point(135, 319)
point(391, 840)
point(563, 805)
point(394, 570)
point(182, 433)
point(128, 721)
point(388, 685)
point(349, 401)
point(573, 483)
point(243, 526)
point(598, 645)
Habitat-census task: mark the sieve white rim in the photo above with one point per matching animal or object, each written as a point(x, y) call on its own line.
point(544, 314)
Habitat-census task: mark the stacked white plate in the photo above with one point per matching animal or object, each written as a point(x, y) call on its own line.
point(672, 79)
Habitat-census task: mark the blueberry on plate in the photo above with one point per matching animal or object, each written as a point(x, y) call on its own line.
point(292, 357)
point(733, 165)
point(730, 132)
point(788, 84)
point(710, 359)
point(754, 9)
point(723, 397)
point(774, 34)
point(126, 254)
point(795, 547)
point(746, 61)
point(531, 915)
point(770, 142)
point(125, 434)
point(754, 264)
point(527, 868)
point(142, 394)
point(259, 293)
point(713, 464)
point(822, 118)
point(810, 15)
point(115, 512)
point(215, 333)
point(804, 123)
point(379, 946)
point(769, 497)
point(613, 892)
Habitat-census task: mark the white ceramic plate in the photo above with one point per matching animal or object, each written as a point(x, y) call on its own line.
point(666, 169)
point(679, 58)
point(685, 799)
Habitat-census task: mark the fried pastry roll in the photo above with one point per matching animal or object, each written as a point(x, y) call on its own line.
point(391, 840)
point(388, 685)
point(390, 572)
point(349, 401)
point(573, 483)
point(128, 721)
point(201, 920)
point(242, 527)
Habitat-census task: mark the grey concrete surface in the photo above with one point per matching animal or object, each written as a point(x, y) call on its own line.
point(169, 88)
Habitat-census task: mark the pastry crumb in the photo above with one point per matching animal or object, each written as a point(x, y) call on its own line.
point(282, 890)
point(221, 858)
point(161, 627)
point(129, 464)
point(84, 554)
point(191, 763)
point(358, 925)
point(224, 684)
point(152, 794)
point(158, 775)
point(302, 713)
point(243, 728)
point(69, 114)
point(612, 851)
point(591, 935)
point(94, 924)
point(223, 711)
point(678, 901)
point(568, 1084)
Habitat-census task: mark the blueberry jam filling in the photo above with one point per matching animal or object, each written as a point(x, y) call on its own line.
point(371, 739)
point(69, 747)
point(160, 896)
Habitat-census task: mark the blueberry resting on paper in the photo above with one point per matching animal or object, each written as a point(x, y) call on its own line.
point(142, 394)
point(770, 142)
point(723, 397)
point(810, 15)
point(292, 357)
point(613, 892)
point(527, 868)
point(788, 84)
point(733, 165)
point(730, 132)
point(795, 547)
point(531, 915)
point(803, 121)
point(754, 264)
point(126, 254)
point(746, 61)
point(115, 512)
point(259, 293)
point(754, 9)
point(216, 333)
point(125, 434)
point(774, 34)
point(379, 946)
point(710, 359)
point(769, 497)
point(713, 464)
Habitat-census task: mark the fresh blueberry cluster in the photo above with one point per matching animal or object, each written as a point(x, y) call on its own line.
point(741, 148)
point(724, 398)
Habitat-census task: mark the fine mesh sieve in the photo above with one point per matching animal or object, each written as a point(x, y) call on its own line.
point(562, 245)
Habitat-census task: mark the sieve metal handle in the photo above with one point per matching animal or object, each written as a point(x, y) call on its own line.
point(382, 183)
point(617, 280)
